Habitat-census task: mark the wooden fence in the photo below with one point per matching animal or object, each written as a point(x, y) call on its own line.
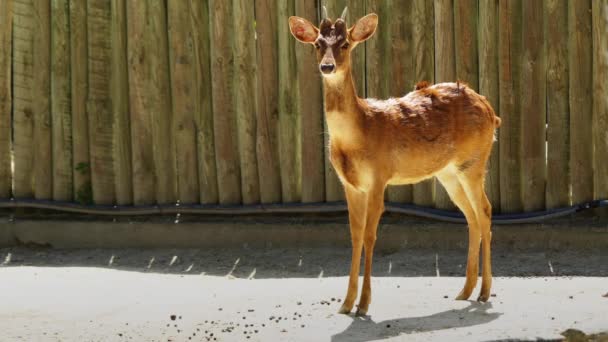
point(212, 101)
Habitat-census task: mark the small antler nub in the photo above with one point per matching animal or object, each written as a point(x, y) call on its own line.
point(325, 16)
point(343, 16)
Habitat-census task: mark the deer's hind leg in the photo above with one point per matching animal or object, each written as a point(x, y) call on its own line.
point(454, 188)
point(472, 181)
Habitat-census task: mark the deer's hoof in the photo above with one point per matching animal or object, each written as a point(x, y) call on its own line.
point(463, 296)
point(345, 309)
point(483, 297)
point(361, 311)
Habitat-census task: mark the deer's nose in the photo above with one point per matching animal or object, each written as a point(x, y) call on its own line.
point(327, 68)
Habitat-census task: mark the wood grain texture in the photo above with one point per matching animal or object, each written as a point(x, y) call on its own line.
point(581, 107)
point(400, 69)
point(445, 70)
point(99, 108)
point(207, 171)
point(144, 181)
point(6, 32)
point(119, 93)
point(356, 11)
point(424, 65)
point(465, 42)
point(79, 63)
point(41, 100)
point(224, 115)
point(245, 75)
point(183, 88)
point(311, 106)
point(289, 114)
point(509, 57)
point(600, 99)
point(267, 102)
point(533, 106)
point(558, 130)
point(488, 87)
point(60, 101)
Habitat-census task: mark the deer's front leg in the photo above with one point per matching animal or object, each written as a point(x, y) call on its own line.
point(375, 208)
point(356, 216)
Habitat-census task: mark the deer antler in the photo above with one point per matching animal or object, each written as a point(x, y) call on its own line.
point(343, 16)
point(325, 16)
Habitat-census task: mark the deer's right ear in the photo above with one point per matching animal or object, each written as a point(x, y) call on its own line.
point(303, 30)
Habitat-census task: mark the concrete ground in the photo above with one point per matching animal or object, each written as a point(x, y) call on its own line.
point(242, 294)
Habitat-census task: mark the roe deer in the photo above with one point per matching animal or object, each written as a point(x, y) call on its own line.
point(444, 130)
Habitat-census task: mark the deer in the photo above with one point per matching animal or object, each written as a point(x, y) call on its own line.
point(445, 130)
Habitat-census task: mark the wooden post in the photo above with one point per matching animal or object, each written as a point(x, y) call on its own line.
point(424, 65)
point(98, 103)
point(207, 170)
point(465, 42)
point(41, 96)
point(533, 107)
point(445, 69)
point(600, 98)
point(224, 116)
point(267, 102)
point(60, 102)
point(311, 106)
point(289, 115)
point(581, 107)
point(5, 96)
point(509, 57)
point(356, 11)
point(79, 90)
point(119, 93)
point(183, 88)
point(400, 69)
point(23, 92)
point(558, 130)
point(244, 51)
point(488, 86)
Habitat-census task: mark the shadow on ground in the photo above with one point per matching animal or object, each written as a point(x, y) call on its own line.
point(366, 329)
point(306, 262)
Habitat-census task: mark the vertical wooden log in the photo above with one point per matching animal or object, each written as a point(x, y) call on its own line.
point(224, 116)
point(43, 163)
point(558, 131)
point(465, 42)
point(445, 69)
point(510, 131)
point(119, 93)
point(23, 92)
point(98, 103)
point(183, 88)
point(79, 89)
point(581, 107)
point(533, 107)
point(311, 105)
point(245, 76)
point(60, 101)
point(600, 99)
point(333, 188)
point(424, 65)
point(144, 182)
point(289, 116)
point(400, 70)
point(488, 86)
point(159, 93)
point(5, 96)
point(207, 170)
point(267, 101)
point(356, 11)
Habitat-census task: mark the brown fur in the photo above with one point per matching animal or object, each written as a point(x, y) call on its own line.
point(444, 130)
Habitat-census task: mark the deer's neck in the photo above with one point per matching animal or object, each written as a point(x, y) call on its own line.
point(343, 113)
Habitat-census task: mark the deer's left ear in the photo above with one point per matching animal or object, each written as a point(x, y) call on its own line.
point(303, 30)
point(364, 28)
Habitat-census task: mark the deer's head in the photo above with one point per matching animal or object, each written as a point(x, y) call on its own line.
point(334, 41)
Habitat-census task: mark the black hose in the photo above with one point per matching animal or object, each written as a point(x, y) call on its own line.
point(288, 208)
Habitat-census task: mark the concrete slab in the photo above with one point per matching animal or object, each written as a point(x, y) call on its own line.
point(283, 295)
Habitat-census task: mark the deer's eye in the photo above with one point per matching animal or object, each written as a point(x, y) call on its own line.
point(345, 46)
point(317, 45)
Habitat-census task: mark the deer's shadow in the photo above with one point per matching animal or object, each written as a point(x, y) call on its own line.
point(366, 329)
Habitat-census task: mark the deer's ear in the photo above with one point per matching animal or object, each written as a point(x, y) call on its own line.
point(364, 28)
point(303, 30)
